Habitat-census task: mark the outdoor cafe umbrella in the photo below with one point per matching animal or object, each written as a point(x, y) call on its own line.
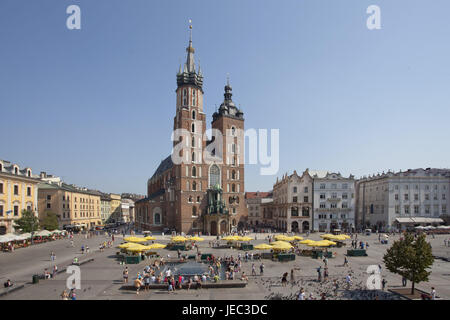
point(127, 245)
point(135, 239)
point(178, 239)
point(298, 238)
point(263, 246)
point(281, 245)
point(195, 238)
point(306, 241)
point(149, 238)
point(327, 235)
point(43, 233)
point(8, 237)
point(155, 246)
point(282, 237)
point(245, 239)
point(137, 248)
point(231, 238)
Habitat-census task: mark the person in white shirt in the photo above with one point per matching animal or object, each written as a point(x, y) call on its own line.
point(301, 295)
point(433, 294)
point(204, 278)
point(153, 279)
point(168, 273)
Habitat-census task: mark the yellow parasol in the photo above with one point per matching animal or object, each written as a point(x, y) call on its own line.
point(263, 246)
point(126, 245)
point(281, 245)
point(307, 241)
point(298, 238)
point(156, 246)
point(149, 238)
point(137, 248)
point(282, 237)
point(178, 239)
point(195, 238)
point(231, 238)
point(327, 235)
point(245, 239)
point(135, 239)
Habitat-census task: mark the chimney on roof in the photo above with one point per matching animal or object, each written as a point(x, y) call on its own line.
point(43, 174)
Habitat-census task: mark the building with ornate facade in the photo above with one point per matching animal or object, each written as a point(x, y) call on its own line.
point(193, 195)
point(292, 202)
point(334, 201)
point(401, 199)
point(18, 192)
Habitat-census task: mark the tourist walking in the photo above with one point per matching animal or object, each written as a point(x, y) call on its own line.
point(125, 275)
point(301, 295)
point(284, 279)
point(253, 269)
point(137, 284)
point(404, 281)
point(383, 284)
point(345, 262)
point(433, 294)
point(292, 276)
point(319, 273)
point(261, 269)
point(348, 280)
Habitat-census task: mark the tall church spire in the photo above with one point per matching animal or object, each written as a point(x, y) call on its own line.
point(190, 63)
point(188, 75)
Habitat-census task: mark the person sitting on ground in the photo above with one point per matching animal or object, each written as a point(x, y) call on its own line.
point(8, 284)
point(244, 277)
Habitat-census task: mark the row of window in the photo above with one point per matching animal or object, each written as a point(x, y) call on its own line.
point(416, 196)
point(323, 205)
point(305, 189)
point(334, 195)
point(334, 186)
point(15, 210)
point(331, 216)
point(15, 190)
point(407, 209)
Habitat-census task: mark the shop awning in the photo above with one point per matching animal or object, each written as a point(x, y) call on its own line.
point(418, 220)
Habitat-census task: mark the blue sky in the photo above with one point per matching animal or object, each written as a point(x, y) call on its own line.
point(95, 106)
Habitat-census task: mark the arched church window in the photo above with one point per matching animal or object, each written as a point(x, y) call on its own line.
point(193, 156)
point(214, 175)
point(194, 171)
point(184, 97)
point(194, 211)
point(194, 186)
point(193, 142)
point(233, 131)
point(193, 115)
point(157, 218)
point(233, 188)
point(233, 174)
point(193, 128)
point(193, 98)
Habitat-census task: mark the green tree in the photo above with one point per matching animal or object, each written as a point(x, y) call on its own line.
point(28, 222)
point(410, 258)
point(50, 221)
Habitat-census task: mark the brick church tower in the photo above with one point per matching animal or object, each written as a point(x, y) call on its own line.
point(191, 174)
point(194, 195)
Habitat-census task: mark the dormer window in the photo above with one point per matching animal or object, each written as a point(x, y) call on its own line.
point(29, 173)
point(16, 170)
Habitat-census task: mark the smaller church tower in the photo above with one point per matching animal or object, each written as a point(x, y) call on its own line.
point(230, 121)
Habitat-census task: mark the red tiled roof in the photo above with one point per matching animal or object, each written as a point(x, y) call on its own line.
point(253, 195)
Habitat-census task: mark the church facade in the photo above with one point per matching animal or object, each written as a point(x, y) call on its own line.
point(194, 195)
